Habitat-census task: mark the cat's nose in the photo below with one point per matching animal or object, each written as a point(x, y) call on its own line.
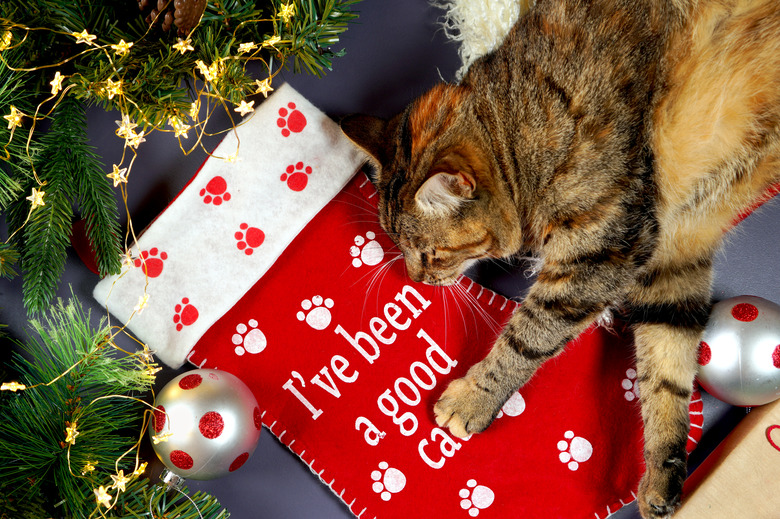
point(416, 274)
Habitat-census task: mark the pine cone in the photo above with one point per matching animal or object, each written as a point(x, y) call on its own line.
point(184, 14)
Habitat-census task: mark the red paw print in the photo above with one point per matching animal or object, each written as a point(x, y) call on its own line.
point(291, 120)
point(152, 261)
point(215, 191)
point(186, 314)
point(249, 238)
point(297, 176)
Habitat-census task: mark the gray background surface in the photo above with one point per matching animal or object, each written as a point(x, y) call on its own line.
point(395, 52)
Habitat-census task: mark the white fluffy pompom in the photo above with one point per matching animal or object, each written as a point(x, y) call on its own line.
point(479, 25)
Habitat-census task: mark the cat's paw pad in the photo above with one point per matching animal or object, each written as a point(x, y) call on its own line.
point(316, 313)
point(660, 492)
point(387, 481)
point(249, 338)
point(631, 385)
point(366, 251)
point(574, 450)
point(297, 176)
point(464, 408)
point(249, 238)
point(152, 261)
point(291, 120)
point(475, 497)
point(215, 192)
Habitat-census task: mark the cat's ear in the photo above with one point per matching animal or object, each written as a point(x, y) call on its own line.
point(444, 192)
point(370, 134)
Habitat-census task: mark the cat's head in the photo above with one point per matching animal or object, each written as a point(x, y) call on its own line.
point(437, 193)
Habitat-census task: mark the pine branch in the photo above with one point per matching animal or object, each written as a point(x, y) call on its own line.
point(33, 452)
point(8, 257)
point(14, 160)
point(95, 198)
point(141, 495)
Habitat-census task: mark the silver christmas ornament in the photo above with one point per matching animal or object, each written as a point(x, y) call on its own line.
point(206, 424)
point(739, 356)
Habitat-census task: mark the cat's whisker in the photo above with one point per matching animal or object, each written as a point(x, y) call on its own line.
point(476, 308)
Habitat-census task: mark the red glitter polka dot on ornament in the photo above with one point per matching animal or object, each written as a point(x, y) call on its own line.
point(181, 459)
point(705, 354)
point(776, 357)
point(158, 420)
point(190, 381)
point(238, 462)
point(744, 312)
point(211, 425)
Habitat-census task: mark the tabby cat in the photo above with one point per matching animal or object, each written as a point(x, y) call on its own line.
point(615, 139)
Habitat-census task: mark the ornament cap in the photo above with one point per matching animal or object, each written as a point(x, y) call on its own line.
point(171, 480)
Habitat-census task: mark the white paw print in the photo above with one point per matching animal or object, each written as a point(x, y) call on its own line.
point(630, 385)
point(475, 497)
point(370, 253)
point(248, 338)
point(316, 312)
point(574, 450)
point(388, 483)
point(513, 407)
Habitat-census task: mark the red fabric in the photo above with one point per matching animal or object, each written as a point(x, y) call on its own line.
point(568, 445)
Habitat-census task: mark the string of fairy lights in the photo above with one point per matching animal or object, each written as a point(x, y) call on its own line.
point(113, 88)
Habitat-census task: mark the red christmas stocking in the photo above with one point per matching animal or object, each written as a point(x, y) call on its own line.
point(347, 356)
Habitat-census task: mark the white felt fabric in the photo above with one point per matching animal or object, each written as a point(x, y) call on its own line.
point(202, 265)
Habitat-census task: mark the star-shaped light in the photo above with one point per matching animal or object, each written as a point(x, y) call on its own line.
point(244, 108)
point(122, 47)
point(142, 302)
point(56, 83)
point(113, 88)
point(103, 497)
point(179, 128)
point(183, 46)
point(194, 109)
point(140, 470)
point(89, 467)
point(135, 140)
point(159, 438)
point(70, 434)
point(126, 127)
point(83, 36)
point(127, 259)
point(12, 386)
point(5, 41)
point(288, 10)
point(247, 47)
point(36, 198)
point(152, 371)
point(14, 118)
point(146, 354)
point(204, 70)
point(263, 87)
point(119, 176)
point(120, 480)
point(270, 42)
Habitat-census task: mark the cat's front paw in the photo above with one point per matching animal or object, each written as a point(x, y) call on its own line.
point(660, 490)
point(464, 408)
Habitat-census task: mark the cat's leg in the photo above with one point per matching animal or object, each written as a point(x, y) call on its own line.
point(539, 330)
point(666, 366)
point(669, 307)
